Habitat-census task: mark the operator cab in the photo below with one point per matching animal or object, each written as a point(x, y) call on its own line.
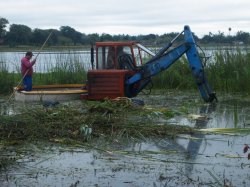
point(118, 55)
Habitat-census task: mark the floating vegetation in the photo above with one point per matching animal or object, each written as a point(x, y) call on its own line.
point(90, 119)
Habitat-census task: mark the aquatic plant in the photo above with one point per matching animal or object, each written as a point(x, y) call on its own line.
point(109, 118)
point(227, 70)
point(230, 71)
point(6, 79)
point(68, 69)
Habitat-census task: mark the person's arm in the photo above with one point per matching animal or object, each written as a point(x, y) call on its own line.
point(27, 63)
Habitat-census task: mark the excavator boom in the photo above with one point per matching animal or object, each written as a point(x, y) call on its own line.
point(163, 60)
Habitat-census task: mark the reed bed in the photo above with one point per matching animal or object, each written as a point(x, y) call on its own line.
point(230, 71)
point(227, 70)
point(67, 68)
point(6, 79)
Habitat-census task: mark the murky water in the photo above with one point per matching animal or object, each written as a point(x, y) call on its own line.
point(189, 160)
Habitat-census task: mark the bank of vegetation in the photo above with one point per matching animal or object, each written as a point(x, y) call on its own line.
point(226, 70)
point(20, 35)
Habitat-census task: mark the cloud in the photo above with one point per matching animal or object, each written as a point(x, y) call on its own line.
point(130, 16)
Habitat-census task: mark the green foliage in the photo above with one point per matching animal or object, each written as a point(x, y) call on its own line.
point(66, 71)
point(63, 73)
point(3, 25)
point(85, 121)
point(6, 79)
point(228, 71)
point(21, 34)
point(178, 76)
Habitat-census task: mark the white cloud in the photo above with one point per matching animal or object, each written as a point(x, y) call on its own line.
point(130, 16)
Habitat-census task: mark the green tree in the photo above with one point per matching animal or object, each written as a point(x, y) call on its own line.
point(243, 37)
point(19, 35)
point(93, 38)
point(39, 36)
point(3, 24)
point(106, 37)
point(71, 33)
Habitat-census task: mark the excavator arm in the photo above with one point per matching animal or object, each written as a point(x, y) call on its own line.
point(164, 59)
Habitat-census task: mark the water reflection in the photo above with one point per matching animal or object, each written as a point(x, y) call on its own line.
point(196, 139)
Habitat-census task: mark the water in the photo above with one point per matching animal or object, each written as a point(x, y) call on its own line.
point(189, 160)
point(46, 61)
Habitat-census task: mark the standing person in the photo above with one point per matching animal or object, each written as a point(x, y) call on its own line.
point(27, 70)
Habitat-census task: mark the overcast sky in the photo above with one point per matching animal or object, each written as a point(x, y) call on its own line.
point(132, 17)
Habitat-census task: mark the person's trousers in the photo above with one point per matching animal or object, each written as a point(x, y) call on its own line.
point(27, 83)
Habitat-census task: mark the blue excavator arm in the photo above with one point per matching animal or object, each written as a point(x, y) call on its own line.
point(164, 59)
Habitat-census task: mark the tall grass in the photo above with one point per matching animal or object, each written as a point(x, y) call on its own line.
point(69, 70)
point(178, 76)
point(228, 70)
point(63, 73)
point(7, 80)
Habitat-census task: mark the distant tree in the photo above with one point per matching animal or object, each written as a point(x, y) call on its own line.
point(54, 38)
point(106, 37)
point(243, 37)
point(3, 24)
point(38, 36)
point(71, 33)
point(19, 35)
point(220, 37)
point(207, 38)
point(93, 38)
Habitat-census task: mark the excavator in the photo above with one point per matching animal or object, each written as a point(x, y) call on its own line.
point(119, 70)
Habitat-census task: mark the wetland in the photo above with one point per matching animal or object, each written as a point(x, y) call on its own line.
point(169, 138)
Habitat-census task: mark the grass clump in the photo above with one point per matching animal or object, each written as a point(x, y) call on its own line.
point(89, 120)
point(230, 71)
point(67, 68)
point(227, 70)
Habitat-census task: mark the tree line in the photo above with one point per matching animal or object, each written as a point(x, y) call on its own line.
point(23, 35)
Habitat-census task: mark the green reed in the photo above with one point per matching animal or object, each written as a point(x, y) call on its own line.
point(6, 79)
point(230, 71)
point(67, 69)
point(227, 70)
point(178, 76)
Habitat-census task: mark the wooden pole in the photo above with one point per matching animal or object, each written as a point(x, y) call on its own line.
point(15, 89)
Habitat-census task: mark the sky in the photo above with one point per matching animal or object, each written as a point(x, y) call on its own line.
point(133, 17)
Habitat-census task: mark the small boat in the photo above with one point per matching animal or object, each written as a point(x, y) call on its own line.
point(57, 92)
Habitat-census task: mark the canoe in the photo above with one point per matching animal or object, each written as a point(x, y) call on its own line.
point(57, 92)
